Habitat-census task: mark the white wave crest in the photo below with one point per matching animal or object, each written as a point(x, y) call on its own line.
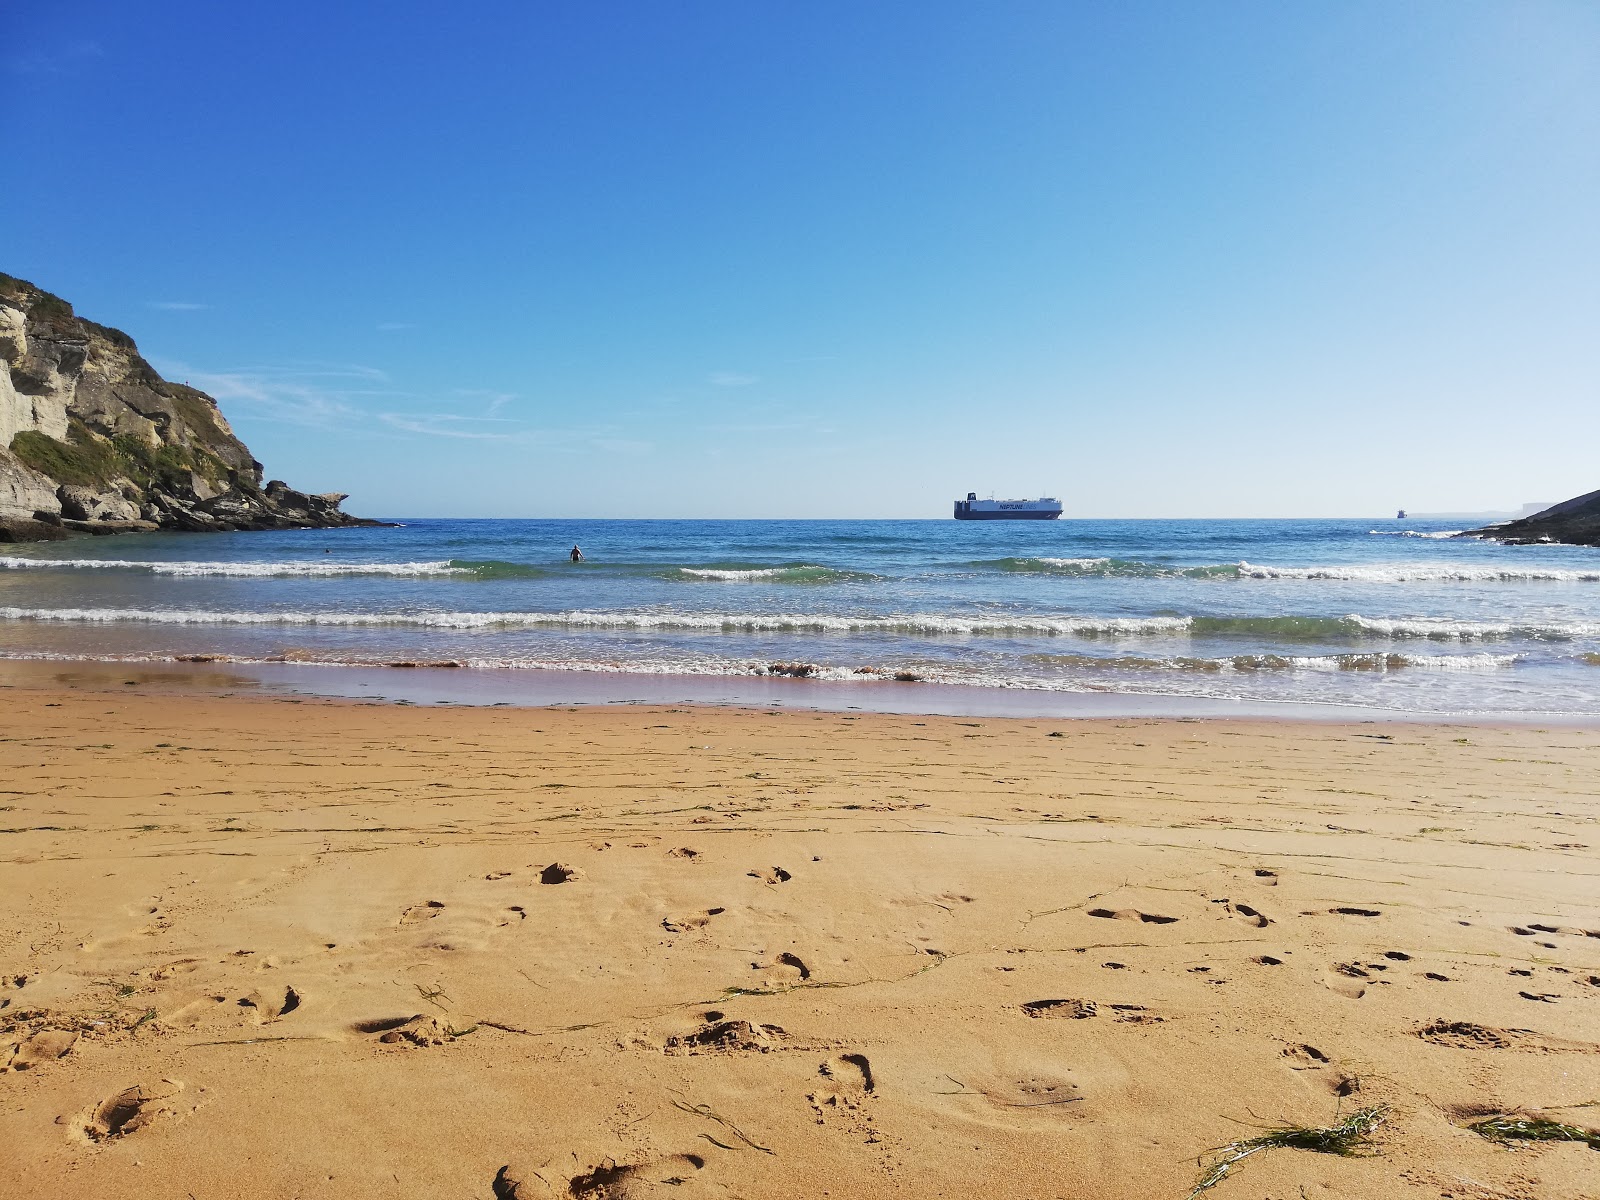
point(1437, 535)
point(1410, 662)
point(739, 576)
point(242, 570)
point(750, 574)
point(1450, 629)
point(1421, 573)
point(708, 622)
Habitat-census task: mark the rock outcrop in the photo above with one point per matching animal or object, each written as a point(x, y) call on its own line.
point(93, 440)
point(1574, 522)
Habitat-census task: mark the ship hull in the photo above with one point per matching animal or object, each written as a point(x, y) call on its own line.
point(1010, 515)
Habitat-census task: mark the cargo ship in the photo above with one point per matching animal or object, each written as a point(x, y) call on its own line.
point(1046, 508)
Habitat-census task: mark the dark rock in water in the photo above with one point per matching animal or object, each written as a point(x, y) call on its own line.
point(1574, 522)
point(93, 440)
point(30, 531)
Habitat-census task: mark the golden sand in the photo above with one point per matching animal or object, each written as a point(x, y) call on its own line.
point(279, 948)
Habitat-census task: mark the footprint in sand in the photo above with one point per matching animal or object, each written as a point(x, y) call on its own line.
point(1074, 1010)
point(1465, 1035)
point(270, 1004)
point(420, 1030)
point(1303, 1057)
point(1264, 876)
point(1344, 979)
point(515, 1183)
point(770, 875)
point(1132, 914)
point(691, 922)
point(45, 1046)
point(718, 1036)
point(421, 912)
point(1249, 915)
point(1133, 1014)
point(129, 1111)
point(785, 970)
point(628, 1181)
point(846, 1082)
point(559, 873)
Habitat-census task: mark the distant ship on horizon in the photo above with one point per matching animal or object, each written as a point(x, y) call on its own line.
point(1046, 508)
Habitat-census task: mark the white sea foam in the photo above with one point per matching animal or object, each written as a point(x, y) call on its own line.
point(242, 570)
point(1422, 573)
point(1451, 629)
point(920, 623)
point(1395, 662)
point(741, 576)
point(1254, 663)
point(1437, 535)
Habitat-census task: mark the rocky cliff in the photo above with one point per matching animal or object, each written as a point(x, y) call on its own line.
point(93, 440)
point(1575, 522)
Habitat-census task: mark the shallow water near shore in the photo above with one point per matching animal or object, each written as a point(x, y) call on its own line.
point(1349, 614)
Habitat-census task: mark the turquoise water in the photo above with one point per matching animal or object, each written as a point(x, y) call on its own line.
point(1383, 614)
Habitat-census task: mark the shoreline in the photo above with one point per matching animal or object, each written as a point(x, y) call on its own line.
point(422, 684)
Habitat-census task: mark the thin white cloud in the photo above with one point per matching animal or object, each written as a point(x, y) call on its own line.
point(732, 379)
point(451, 425)
point(494, 401)
point(317, 395)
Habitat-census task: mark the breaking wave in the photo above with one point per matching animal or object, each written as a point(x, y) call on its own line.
point(1105, 568)
point(1280, 629)
point(786, 573)
point(1353, 627)
point(1437, 535)
point(1422, 573)
point(1120, 568)
point(241, 570)
point(916, 623)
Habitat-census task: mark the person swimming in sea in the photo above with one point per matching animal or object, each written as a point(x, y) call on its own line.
point(577, 555)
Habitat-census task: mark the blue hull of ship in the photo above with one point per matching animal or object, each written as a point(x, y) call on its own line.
point(1006, 516)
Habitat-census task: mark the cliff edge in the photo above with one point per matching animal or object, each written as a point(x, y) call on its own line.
point(93, 440)
point(1574, 522)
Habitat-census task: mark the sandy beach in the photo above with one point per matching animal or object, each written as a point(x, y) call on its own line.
point(307, 948)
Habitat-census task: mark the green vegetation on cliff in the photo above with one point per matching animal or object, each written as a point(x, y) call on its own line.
point(89, 460)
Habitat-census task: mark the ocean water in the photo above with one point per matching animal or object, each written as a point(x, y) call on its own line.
point(1386, 615)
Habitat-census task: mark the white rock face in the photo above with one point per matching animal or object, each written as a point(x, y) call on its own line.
point(24, 492)
point(46, 413)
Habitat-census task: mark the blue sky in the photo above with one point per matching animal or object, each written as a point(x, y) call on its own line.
point(827, 259)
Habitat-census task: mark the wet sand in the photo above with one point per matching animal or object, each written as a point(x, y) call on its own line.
point(287, 947)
